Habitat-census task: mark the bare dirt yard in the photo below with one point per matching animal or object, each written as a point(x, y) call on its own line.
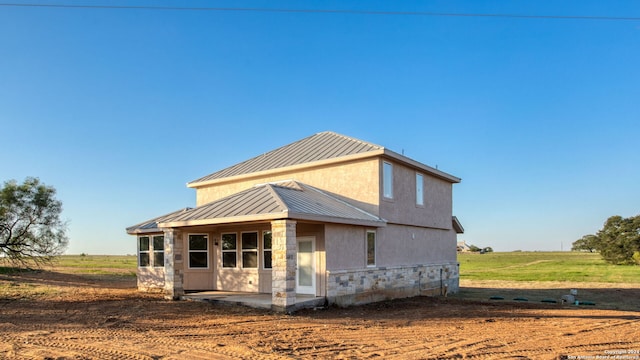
point(56, 315)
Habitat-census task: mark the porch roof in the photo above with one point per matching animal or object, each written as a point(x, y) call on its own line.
point(151, 226)
point(272, 201)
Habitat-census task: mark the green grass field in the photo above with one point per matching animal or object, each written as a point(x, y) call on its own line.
point(544, 266)
point(120, 265)
point(508, 266)
point(97, 261)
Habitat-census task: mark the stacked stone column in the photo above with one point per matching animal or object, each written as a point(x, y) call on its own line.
point(173, 264)
point(284, 263)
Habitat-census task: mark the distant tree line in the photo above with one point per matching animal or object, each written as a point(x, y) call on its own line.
point(618, 242)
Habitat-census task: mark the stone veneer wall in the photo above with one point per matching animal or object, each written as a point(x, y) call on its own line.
point(352, 287)
point(284, 259)
point(173, 264)
point(150, 279)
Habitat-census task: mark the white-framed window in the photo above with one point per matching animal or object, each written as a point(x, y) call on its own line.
point(266, 249)
point(387, 180)
point(229, 250)
point(419, 189)
point(371, 248)
point(198, 251)
point(249, 250)
point(158, 250)
point(143, 251)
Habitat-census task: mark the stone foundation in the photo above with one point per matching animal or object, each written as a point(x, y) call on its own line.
point(353, 287)
point(150, 279)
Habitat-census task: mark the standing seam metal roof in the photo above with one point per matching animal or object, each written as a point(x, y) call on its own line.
point(321, 146)
point(152, 225)
point(291, 198)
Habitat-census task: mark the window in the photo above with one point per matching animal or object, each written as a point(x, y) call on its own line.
point(250, 250)
point(158, 251)
point(387, 180)
point(266, 249)
point(371, 248)
point(419, 189)
point(198, 251)
point(143, 251)
point(229, 250)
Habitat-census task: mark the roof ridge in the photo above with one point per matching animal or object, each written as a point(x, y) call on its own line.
point(276, 197)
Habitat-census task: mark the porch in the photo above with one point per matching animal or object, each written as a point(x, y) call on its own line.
point(254, 300)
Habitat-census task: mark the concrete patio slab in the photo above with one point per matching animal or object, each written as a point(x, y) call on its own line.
point(254, 300)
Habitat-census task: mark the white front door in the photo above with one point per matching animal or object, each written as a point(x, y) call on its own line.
point(306, 270)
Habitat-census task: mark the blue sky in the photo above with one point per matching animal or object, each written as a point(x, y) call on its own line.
point(118, 109)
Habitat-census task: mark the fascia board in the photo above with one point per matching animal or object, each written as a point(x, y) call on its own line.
point(337, 220)
point(274, 216)
point(143, 231)
point(428, 169)
point(225, 220)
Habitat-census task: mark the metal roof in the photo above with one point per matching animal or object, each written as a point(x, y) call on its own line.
point(271, 201)
point(325, 146)
point(321, 146)
point(150, 226)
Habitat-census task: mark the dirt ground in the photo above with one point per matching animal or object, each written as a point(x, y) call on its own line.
point(52, 315)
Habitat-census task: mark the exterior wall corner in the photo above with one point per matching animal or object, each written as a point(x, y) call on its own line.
point(284, 261)
point(173, 264)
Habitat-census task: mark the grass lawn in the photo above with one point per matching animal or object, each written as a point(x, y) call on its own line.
point(544, 266)
point(116, 265)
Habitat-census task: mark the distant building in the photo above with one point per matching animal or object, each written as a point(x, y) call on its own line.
point(463, 247)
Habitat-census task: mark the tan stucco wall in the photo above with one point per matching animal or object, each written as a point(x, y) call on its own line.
point(404, 245)
point(402, 209)
point(345, 247)
point(396, 245)
point(357, 180)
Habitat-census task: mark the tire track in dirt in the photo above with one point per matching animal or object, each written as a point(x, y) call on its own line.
point(105, 344)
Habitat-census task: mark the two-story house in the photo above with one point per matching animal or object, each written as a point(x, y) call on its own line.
point(329, 215)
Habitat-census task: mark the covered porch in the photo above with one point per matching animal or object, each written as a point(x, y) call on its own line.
point(221, 247)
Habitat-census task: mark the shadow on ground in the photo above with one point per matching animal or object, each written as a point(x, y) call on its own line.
point(599, 298)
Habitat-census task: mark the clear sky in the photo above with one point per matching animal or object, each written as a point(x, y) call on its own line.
point(119, 108)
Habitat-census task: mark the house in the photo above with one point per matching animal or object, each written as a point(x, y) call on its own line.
point(463, 247)
point(329, 216)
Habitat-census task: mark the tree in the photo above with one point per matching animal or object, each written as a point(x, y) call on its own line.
point(586, 243)
point(619, 239)
point(474, 248)
point(31, 231)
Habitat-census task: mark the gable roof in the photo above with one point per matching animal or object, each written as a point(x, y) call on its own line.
point(272, 201)
point(313, 150)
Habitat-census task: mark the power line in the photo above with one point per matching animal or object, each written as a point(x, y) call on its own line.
point(325, 11)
